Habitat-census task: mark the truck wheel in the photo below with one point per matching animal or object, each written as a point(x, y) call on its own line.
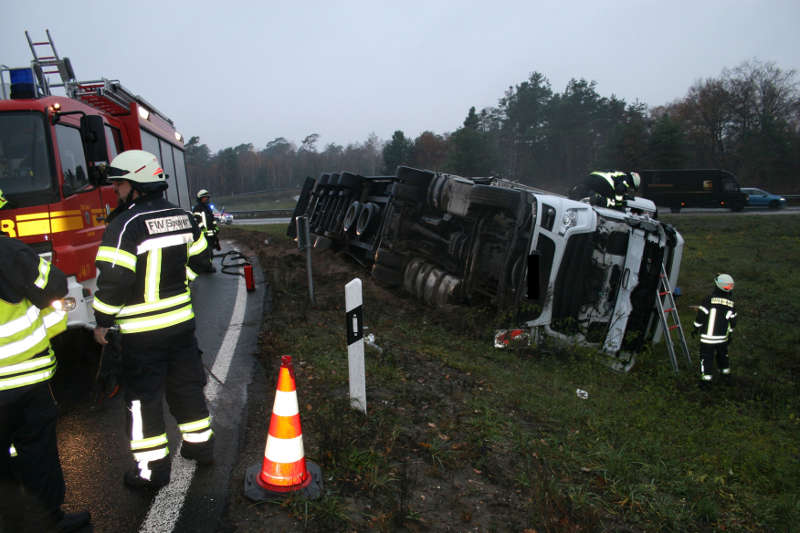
point(415, 176)
point(488, 196)
point(351, 216)
point(369, 213)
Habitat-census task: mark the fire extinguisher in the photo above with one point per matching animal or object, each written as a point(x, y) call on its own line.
point(248, 277)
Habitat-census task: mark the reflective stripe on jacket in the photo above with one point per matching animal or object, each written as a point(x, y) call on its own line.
point(144, 267)
point(26, 328)
point(716, 318)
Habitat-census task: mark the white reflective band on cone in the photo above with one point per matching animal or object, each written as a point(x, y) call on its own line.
point(284, 450)
point(285, 403)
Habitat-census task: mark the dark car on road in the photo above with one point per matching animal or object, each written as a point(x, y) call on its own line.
point(761, 198)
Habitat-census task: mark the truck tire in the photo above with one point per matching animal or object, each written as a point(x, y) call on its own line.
point(369, 214)
point(414, 176)
point(488, 196)
point(351, 216)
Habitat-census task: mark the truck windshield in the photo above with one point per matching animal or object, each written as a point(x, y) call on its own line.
point(25, 174)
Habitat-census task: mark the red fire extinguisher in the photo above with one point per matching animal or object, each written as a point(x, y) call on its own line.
point(248, 277)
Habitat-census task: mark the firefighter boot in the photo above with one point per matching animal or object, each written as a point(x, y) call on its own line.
point(159, 473)
point(67, 522)
point(202, 452)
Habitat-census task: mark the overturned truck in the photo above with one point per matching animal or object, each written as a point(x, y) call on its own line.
point(570, 270)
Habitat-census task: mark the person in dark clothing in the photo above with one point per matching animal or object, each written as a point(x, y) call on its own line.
point(715, 322)
point(609, 188)
point(30, 315)
point(208, 223)
point(144, 263)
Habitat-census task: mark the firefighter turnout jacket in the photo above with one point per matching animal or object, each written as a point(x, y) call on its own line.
point(144, 268)
point(29, 285)
point(207, 221)
point(716, 318)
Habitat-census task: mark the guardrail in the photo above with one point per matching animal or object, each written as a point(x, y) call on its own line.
point(263, 213)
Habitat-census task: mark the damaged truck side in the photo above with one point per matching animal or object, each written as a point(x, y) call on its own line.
point(572, 271)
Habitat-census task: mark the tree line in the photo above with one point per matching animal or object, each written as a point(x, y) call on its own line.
point(746, 120)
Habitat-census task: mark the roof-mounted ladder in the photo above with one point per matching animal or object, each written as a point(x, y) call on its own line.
point(49, 64)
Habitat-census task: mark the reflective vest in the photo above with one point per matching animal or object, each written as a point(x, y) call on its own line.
point(143, 268)
point(25, 332)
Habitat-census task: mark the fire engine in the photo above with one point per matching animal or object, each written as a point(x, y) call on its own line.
point(54, 150)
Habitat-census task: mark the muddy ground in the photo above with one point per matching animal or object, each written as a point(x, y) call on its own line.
point(467, 487)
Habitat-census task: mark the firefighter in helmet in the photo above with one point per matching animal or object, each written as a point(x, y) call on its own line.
point(611, 188)
point(715, 321)
point(29, 317)
point(144, 263)
point(208, 223)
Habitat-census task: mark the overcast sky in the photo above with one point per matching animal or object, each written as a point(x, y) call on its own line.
point(234, 72)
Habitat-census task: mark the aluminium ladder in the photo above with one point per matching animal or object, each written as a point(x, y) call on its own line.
point(667, 311)
point(44, 64)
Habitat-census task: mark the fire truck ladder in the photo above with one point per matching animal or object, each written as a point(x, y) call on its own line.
point(667, 311)
point(49, 64)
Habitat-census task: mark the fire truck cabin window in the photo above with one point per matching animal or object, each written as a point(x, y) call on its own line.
point(24, 165)
point(73, 160)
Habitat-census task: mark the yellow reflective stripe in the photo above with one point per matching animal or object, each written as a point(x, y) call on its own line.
point(37, 227)
point(195, 438)
point(44, 273)
point(32, 216)
point(54, 320)
point(196, 425)
point(21, 323)
point(191, 275)
point(104, 308)
point(66, 224)
point(152, 277)
point(172, 301)
point(165, 320)
point(27, 379)
point(150, 442)
point(151, 455)
point(163, 242)
point(12, 451)
point(31, 364)
point(199, 245)
point(116, 256)
point(37, 339)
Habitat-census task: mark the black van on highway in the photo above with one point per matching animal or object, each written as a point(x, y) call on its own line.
point(678, 188)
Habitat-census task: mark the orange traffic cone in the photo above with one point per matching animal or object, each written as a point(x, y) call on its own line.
point(284, 469)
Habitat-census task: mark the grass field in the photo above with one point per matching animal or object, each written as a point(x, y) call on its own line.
point(462, 437)
point(255, 202)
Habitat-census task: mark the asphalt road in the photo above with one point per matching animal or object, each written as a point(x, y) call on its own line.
point(92, 441)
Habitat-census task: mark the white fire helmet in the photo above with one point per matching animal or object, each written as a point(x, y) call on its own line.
point(140, 168)
point(724, 282)
point(202, 192)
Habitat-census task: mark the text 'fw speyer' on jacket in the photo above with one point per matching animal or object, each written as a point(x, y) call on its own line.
point(144, 265)
point(28, 286)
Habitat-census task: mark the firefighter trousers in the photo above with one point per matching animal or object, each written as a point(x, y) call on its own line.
point(170, 368)
point(28, 421)
point(708, 353)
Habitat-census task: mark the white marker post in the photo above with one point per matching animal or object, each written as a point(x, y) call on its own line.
point(354, 319)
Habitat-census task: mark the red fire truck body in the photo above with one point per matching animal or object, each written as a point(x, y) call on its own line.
point(53, 154)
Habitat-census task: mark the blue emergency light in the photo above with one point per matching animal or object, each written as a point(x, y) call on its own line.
point(22, 85)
